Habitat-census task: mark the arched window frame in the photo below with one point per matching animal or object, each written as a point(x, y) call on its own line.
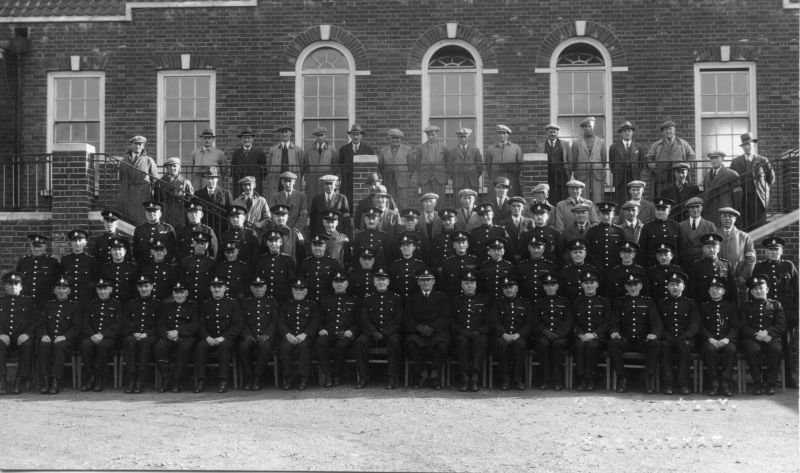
point(426, 87)
point(300, 83)
point(608, 131)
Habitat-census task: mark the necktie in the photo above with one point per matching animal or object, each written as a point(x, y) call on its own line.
point(713, 174)
point(694, 224)
point(284, 158)
point(627, 146)
point(320, 149)
point(580, 229)
point(355, 149)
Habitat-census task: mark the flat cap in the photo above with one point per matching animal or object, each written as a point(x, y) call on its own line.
point(680, 165)
point(729, 211)
point(503, 129)
point(574, 182)
point(464, 132)
point(516, 200)
point(541, 188)
point(395, 133)
point(329, 178)
point(694, 202)
point(502, 181)
point(431, 128)
point(247, 180)
point(429, 195)
point(552, 126)
point(716, 154)
point(587, 120)
point(208, 132)
point(288, 175)
point(464, 192)
point(320, 130)
point(637, 183)
point(667, 124)
point(581, 208)
point(137, 139)
point(631, 204)
point(172, 160)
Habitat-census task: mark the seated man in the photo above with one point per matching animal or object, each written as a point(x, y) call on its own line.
point(470, 330)
point(298, 321)
point(177, 326)
point(163, 273)
point(139, 333)
point(635, 327)
point(18, 324)
point(427, 327)
point(338, 328)
point(381, 324)
point(761, 325)
point(718, 333)
point(592, 314)
point(511, 323)
point(681, 321)
point(553, 322)
point(101, 325)
point(220, 324)
point(256, 342)
point(57, 335)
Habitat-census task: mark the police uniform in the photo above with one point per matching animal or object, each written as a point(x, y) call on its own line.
point(703, 270)
point(530, 271)
point(453, 267)
point(82, 269)
point(277, 269)
point(257, 340)
point(184, 239)
point(147, 232)
point(163, 274)
point(615, 279)
point(218, 318)
point(511, 316)
point(603, 240)
point(442, 243)
point(101, 249)
point(426, 324)
point(381, 321)
point(374, 239)
point(102, 317)
point(235, 272)
point(470, 330)
point(660, 275)
point(249, 244)
point(592, 316)
point(338, 314)
point(553, 321)
point(297, 317)
point(719, 321)
point(681, 320)
point(655, 232)
point(17, 318)
point(756, 315)
point(361, 278)
point(139, 316)
point(197, 271)
point(546, 234)
point(634, 318)
point(122, 274)
point(59, 319)
point(491, 273)
point(39, 273)
point(571, 274)
point(318, 272)
point(483, 234)
point(403, 270)
point(184, 319)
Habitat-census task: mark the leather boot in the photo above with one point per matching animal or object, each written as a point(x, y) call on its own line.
point(163, 373)
point(649, 384)
point(223, 386)
point(54, 386)
point(44, 388)
point(138, 387)
point(199, 386)
point(99, 384)
point(17, 385)
point(89, 386)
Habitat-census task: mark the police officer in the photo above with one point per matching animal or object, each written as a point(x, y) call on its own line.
point(257, 340)
point(635, 327)
point(453, 267)
point(681, 320)
point(362, 274)
point(297, 324)
point(220, 324)
point(703, 270)
point(603, 239)
point(197, 269)
point(371, 237)
point(660, 230)
point(163, 273)
point(511, 321)
point(541, 229)
point(101, 327)
point(571, 273)
point(101, 250)
point(615, 279)
point(718, 334)
point(318, 269)
point(381, 325)
point(122, 272)
point(532, 268)
point(592, 316)
point(194, 219)
point(276, 267)
point(338, 328)
point(660, 273)
point(495, 269)
point(470, 330)
point(761, 325)
point(233, 270)
point(404, 269)
point(427, 327)
point(409, 222)
point(18, 324)
point(151, 229)
point(139, 333)
point(80, 267)
point(487, 231)
point(39, 270)
point(178, 323)
point(249, 245)
point(293, 240)
point(553, 323)
point(57, 335)
point(442, 243)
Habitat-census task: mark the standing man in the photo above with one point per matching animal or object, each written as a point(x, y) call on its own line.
point(194, 217)
point(394, 164)
point(346, 153)
point(720, 186)
point(373, 183)
point(501, 204)
point(322, 159)
point(284, 156)
point(294, 200)
point(681, 190)
point(662, 156)
point(205, 158)
point(703, 270)
point(276, 267)
point(464, 162)
point(756, 175)
point(504, 158)
point(692, 229)
point(558, 158)
point(153, 228)
point(137, 173)
point(39, 271)
point(257, 208)
point(604, 239)
point(630, 223)
point(220, 201)
point(627, 160)
point(564, 214)
point(173, 189)
point(430, 163)
point(737, 247)
point(589, 160)
point(467, 216)
point(330, 200)
point(248, 160)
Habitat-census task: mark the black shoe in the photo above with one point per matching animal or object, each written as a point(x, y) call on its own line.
point(17, 389)
point(464, 385)
point(590, 385)
point(54, 386)
point(130, 388)
point(758, 390)
point(328, 381)
point(99, 385)
point(302, 384)
point(726, 390)
point(362, 383)
point(44, 388)
point(199, 386)
point(473, 386)
point(137, 388)
point(436, 382)
point(505, 386)
point(337, 381)
point(668, 390)
point(714, 391)
point(3, 387)
point(287, 385)
point(791, 383)
point(255, 385)
point(581, 386)
point(223, 386)
point(558, 387)
point(248, 385)
point(649, 384)
point(770, 390)
point(89, 386)
point(685, 390)
point(162, 386)
point(177, 388)
point(544, 386)
point(621, 388)
point(519, 385)
point(391, 382)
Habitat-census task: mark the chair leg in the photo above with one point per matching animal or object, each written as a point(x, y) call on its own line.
point(608, 373)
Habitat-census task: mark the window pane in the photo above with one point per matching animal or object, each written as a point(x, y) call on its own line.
point(187, 87)
point(171, 109)
point(310, 107)
point(724, 104)
point(62, 132)
point(437, 106)
point(172, 87)
point(326, 86)
point(77, 88)
point(468, 84)
point(596, 82)
point(741, 83)
point(189, 131)
point(708, 103)
point(596, 104)
point(581, 82)
point(724, 86)
point(326, 107)
point(201, 110)
point(565, 81)
point(451, 106)
point(310, 84)
point(77, 111)
point(187, 108)
point(341, 86)
point(437, 84)
point(468, 105)
point(93, 88)
point(93, 109)
point(203, 84)
point(62, 88)
point(741, 103)
point(93, 132)
point(62, 110)
point(707, 83)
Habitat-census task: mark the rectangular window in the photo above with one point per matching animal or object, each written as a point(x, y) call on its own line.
point(186, 105)
point(725, 107)
point(452, 104)
point(581, 94)
point(325, 103)
point(76, 108)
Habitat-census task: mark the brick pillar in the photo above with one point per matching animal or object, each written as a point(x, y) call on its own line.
point(72, 191)
point(534, 171)
point(363, 166)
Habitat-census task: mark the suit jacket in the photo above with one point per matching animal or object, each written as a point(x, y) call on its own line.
point(691, 247)
point(564, 157)
point(719, 192)
point(435, 229)
point(396, 169)
point(569, 233)
point(564, 216)
point(500, 212)
point(339, 203)
point(661, 156)
point(430, 163)
point(737, 247)
point(433, 311)
point(258, 212)
point(466, 224)
point(626, 166)
point(761, 178)
point(298, 164)
point(465, 167)
point(249, 163)
point(688, 191)
point(298, 207)
point(587, 163)
point(319, 164)
point(514, 231)
point(505, 161)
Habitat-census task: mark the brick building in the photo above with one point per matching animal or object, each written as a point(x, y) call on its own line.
point(100, 71)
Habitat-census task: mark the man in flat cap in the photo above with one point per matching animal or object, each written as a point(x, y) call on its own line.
point(430, 163)
point(500, 202)
point(323, 158)
point(248, 160)
point(504, 158)
point(720, 187)
point(515, 224)
point(218, 199)
point(559, 156)
point(762, 323)
point(173, 189)
point(284, 156)
point(692, 229)
point(564, 216)
point(647, 210)
point(330, 199)
point(590, 159)
point(257, 206)
point(755, 177)
point(39, 270)
point(464, 162)
point(680, 190)
point(737, 247)
point(374, 184)
point(627, 159)
point(18, 323)
point(630, 223)
point(663, 154)
point(426, 324)
point(355, 147)
point(395, 163)
point(205, 158)
point(137, 173)
point(429, 223)
point(466, 213)
point(294, 199)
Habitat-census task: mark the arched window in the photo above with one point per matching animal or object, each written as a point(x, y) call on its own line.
point(451, 90)
point(581, 87)
point(325, 92)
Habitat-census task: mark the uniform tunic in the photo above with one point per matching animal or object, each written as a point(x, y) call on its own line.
point(338, 314)
point(719, 319)
point(634, 318)
point(17, 317)
point(603, 245)
point(681, 321)
point(553, 322)
point(59, 318)
point(754, 316)
point(491, 274)
point(218, 318)
point(452, 268)
point(403, 273)
point(184, 240)
point(277, 269)
point(654, 233)
point(318, 272)
point(183, 318)
point(297, 317)
point(703, 270)
point(105, 318)
point(124, 275)
point(381, 314)
point(260, 317)
point(83, 270)
point(163, 275)
point(139, 316)
point(592, 315)
point(145, 234)
point(40, 272)
point(511, 315)
point(470, 330)
point(530, 272)
point(197, 271)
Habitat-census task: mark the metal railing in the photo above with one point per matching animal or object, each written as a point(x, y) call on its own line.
point(26, 183)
